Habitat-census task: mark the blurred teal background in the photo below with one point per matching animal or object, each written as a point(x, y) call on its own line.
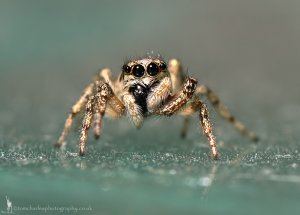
point(247, 51)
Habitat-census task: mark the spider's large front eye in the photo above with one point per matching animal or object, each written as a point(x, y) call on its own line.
point(138, 70)
point(152, 69)
point(126, 69)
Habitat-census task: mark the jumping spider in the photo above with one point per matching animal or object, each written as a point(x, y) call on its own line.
point(147, 87)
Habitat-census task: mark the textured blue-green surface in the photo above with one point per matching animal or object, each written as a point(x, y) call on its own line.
point(247, 51)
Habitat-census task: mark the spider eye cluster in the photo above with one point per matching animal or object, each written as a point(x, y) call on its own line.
point(138, 70)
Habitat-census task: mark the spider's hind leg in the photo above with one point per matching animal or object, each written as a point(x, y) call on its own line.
point(224, 112)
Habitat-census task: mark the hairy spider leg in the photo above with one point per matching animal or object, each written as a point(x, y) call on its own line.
point(115, 108)
point(96, 106)
point(76, 108)
point(181, 99)
point(224, 111)
point(86, 123)
point(178, 77)
point(100, 106)
point(177, 101)
point(208, 129)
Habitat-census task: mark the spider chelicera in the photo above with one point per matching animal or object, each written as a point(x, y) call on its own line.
point(147, 87)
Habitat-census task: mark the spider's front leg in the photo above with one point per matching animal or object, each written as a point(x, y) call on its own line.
point(96, 106)
point(208, 129)
point(86, 124)
point(180, 99)
point(100, 103)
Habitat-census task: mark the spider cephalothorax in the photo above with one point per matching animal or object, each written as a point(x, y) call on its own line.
point(147, 83)
point(144, 88)
point(141, 78)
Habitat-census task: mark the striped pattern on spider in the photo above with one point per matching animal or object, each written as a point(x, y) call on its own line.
point(147, 87)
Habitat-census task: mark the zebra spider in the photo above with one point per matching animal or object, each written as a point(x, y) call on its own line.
point(147, 87)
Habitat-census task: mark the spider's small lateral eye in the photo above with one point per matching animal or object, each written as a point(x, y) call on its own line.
point(163, 65)
point(138, 70)
point(152, 69)
point(126, 69)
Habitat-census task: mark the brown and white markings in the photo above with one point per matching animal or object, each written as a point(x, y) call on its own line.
point(147, 87)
